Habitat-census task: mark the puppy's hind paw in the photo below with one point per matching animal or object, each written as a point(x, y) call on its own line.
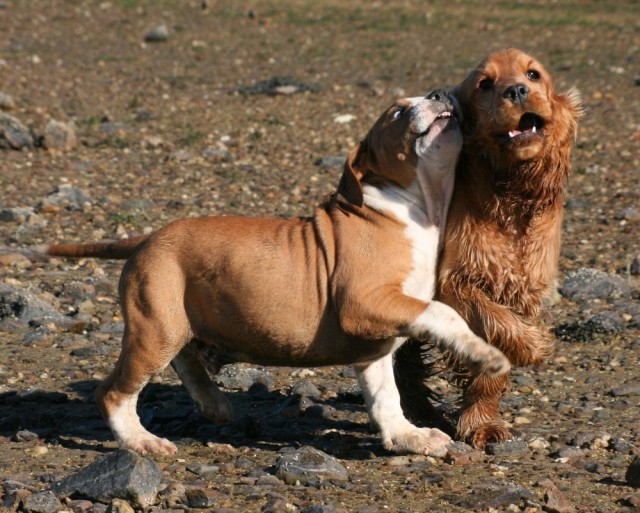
point(425, 441)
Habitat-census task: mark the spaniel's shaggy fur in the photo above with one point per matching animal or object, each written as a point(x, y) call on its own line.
point(503, 232)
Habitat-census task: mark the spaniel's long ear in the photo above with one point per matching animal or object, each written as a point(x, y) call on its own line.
point(350, 186)
point(569, 110)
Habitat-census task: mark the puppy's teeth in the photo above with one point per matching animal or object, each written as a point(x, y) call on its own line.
point(534, 129)
point(511, 134)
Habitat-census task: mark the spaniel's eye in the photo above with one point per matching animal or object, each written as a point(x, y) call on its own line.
point(397, 114)
point(485, 84)
point(532, 74)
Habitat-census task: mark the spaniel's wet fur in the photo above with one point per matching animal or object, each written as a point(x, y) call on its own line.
point(503, 232)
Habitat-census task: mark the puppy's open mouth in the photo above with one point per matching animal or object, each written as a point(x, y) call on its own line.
point(530, 124)
point(448, 116)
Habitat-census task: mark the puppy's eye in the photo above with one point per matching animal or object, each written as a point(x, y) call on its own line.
point(397, 114)
point(485, 84)
point(532, 74)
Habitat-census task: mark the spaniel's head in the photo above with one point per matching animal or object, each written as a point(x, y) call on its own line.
point(511, 110)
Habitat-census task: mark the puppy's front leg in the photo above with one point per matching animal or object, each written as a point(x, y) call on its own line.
point(383, 401)
point(453, 334)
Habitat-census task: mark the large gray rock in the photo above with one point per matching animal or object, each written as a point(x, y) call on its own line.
point(585, 284)
point(308, 464)
point(119, 475)
point(27, 306)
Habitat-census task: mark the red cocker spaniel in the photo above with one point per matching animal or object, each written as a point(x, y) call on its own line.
point(502, 237)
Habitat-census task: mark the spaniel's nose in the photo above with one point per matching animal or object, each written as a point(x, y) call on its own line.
point(516, 93)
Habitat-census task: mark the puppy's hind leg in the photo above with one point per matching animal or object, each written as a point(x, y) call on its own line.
point(155, 331)
point(383, 402)
point(209, 400)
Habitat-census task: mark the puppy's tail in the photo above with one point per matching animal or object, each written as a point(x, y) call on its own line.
point(116, 250)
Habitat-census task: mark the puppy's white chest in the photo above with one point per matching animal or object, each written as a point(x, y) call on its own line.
point(421, 281)
point(421, 233)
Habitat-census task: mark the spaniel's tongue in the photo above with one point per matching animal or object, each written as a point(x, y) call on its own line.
point(513, 133)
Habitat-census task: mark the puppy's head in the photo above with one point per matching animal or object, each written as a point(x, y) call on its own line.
point(511, 110)
point(413, 135)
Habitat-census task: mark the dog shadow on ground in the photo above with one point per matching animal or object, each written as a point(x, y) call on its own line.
point(264, 419)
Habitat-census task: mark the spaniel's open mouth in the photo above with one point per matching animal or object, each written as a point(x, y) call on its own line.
point(529, 124)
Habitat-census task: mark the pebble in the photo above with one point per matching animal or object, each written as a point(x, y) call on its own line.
point(6, 102)
point(59, 136)
point(278, 86)
point(118, 474)
point(555, 500)
point(307, 465)
point(538, 444)
point(217, 155)
point(603, 323)
point(331, 161)
point(585, 284)
point(157, 34)
point(39, 450)
point(626, 390)
point(17, 260)
point(80, 505)
point(66, 196)
point(238, 377)
point(569, 453)
point(41, 502)
point(343, 119)
point(16, 214)
point(13, 134)
point(628, 214)
point(200, 498)
point(305, 388)
point(490, 494)
point(119, 506)
point(322, 508)
point(204, 471)
point(634, 268)
point(508, 448)
point(460, 453)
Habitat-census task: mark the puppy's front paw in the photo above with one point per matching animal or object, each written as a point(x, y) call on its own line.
point(149, 444)
point(489, 361)
point(425, 441)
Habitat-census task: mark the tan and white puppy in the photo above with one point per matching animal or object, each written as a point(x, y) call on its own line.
point(345, 286)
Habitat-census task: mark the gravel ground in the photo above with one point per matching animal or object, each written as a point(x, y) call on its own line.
point(131, 114)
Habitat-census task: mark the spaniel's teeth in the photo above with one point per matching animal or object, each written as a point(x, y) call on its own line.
point(512, 135)
point(534, 129)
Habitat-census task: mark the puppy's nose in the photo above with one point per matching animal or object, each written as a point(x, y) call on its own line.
point(517, 93)
point(439, 95)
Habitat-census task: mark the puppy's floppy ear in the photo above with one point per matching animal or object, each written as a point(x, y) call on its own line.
point(350, 186)
point(461, 96)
